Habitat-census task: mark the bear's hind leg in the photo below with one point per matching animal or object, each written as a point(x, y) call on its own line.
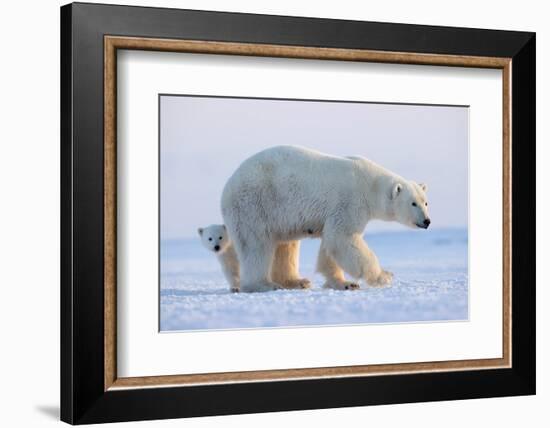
point(255, 265)
point(285, 266)
point(333, 274)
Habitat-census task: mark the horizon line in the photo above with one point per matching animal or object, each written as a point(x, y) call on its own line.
point(377, 232)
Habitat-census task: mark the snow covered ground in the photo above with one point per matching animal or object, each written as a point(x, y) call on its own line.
point(430, 284)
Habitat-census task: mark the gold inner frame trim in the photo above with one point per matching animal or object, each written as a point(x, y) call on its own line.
point(113, 43)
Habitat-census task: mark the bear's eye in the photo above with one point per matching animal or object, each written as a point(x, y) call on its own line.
point(210, 239)
point(414, 204)
point(426, 204)
point(221, 238)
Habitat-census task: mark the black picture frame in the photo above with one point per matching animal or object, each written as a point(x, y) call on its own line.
point(83, 398)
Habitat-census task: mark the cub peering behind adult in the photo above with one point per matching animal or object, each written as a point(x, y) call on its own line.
point(215, 239)
point(285, 193)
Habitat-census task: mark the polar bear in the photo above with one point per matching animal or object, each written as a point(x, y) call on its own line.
point(285, 193)
point(215, 238)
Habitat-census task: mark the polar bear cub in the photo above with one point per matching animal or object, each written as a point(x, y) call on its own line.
point(215, 238)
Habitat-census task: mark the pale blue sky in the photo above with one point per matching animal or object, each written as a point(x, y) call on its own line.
point(203, 140)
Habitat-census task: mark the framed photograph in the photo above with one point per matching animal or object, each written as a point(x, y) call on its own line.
point(265, 213)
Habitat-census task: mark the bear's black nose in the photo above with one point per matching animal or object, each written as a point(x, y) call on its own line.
point(217, 247)
point(427, 222)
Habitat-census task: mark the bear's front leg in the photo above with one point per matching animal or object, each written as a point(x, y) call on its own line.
point(333, 274)
point(230, 267)
point(353, 255)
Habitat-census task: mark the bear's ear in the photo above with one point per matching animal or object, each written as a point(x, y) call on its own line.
point(423, 186)
point(396, 190)
point(200, 230)
point(224, 228)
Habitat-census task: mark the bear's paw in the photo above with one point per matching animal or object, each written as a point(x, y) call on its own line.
point(297, 284)
point(385, 278)
point(341, 285)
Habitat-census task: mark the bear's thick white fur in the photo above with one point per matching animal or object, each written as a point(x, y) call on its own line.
point(215, 239)
point(286, 193)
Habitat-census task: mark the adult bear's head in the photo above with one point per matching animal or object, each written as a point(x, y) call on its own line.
point(410, 204)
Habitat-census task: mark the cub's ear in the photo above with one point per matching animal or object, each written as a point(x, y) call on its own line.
point(423, 186)
point(200, 230)
point(224, 228)
point(396, 190)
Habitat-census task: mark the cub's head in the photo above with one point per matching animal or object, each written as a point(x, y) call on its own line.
point(214, 237)
point(410, 204)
